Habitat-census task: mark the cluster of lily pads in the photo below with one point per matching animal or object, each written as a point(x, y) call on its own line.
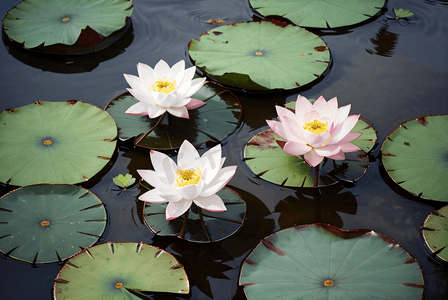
point(49, 146)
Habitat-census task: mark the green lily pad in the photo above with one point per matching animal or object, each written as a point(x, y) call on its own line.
point(435, 232)
point(320, 13)
point(320, 261)
point(267, 160)
point(54, 142)
point(123, 181)
point(214, 121)
point(50, 22)
point(416, 157)
point(217, 225)
point(260, 55)
point(48, 223)
point(403, 13)
point(120, 271)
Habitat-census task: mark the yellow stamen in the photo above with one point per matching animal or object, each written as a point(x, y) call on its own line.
point(163, 85)
point(44, 223)
point(118, 285)
point(187, 177)
point(66, 19)
point(328, 282)
point(316, 127)
point(48, 142)
point(258, 53)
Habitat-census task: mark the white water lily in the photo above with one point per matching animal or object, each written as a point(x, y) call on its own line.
point(164, 89)
point(194, 179)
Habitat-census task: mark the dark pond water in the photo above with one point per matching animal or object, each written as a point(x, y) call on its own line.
point(389, 72)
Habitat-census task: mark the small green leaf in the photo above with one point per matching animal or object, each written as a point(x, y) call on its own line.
point(123, 181)
point(403, 13)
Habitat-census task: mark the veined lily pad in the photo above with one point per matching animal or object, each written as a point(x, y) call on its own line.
point(54, 142)
point(320, 261)
point(267, 160)
point(48, 223)
point(435, 232)
point(214, 121)
point(217, 225)
point(261, 55)
point(320, 13)
point(120, 271)
point(416, 157)
point(51, 22)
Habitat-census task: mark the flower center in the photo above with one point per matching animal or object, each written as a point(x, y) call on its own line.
point(44, 223)
point(163, 85)
point(187, 177)
point(328, 282)
point(316, 127)
point(118, 285)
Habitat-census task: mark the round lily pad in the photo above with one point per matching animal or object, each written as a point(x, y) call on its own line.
point(320, 13)
point(435, 232)
point(48, 223)
point(416, 157)
point(261, 55)
point(214, 121)
point(267, 160)
point(120, 271)
point(84, 24)
point(215, 226)
point(321, 261)
point(54, 142)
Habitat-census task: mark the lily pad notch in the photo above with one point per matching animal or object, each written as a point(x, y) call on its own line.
point(68, 26)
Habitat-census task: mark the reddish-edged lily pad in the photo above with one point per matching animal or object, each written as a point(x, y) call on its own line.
point(435, 232)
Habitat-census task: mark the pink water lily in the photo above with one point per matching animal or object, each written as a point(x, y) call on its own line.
point(316, 130)
point(164, 89)
point(194, 179)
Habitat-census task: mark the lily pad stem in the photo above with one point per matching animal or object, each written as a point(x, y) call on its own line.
point(158, 122)
point(184, 224)
point(202, 223)
point(316, 175)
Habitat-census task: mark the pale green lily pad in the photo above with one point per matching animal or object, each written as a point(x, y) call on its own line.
point(416, 157)
point(267, 160)
point(217, 225)
point(403, 13)
point(120, 271)
point(50, 22)
point(435, 232)
point(48, 223)
point(54, 142)
point(322, 262)
point(320, 13)
point(214, 121)
point(261, 55)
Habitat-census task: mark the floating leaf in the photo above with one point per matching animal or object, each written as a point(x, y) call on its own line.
point(48, 223)
point(320, 261)
point(435, 232)
point(213, 121)
point(120, 271)
point(123, 181)
point(416, 157)
point(49, 22)
point(267, 160)
point(261, 55)
point(217, 225)
point(54, 142)
point(319, 13)
point(402, 13)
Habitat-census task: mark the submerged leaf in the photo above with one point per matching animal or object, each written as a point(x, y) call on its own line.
point(123, 181)
point(402, 13)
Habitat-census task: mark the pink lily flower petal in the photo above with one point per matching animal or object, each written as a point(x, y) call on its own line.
point(312, 158)
point(194, 103)
point(294, 148)
point(177, 209)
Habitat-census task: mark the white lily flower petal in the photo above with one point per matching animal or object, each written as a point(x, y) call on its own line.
point(155, 111)
point(196, 84)
point(183, 88)
point(181, 112)
point(211, 161)
point(177, 209)
point(178, 70)
point(152, 197)
point(191, 191)
point(162, 69)
point(189, 74)
point(153, 179)
point(221, 179)
point(210, 203)
point(163, 164)
point(138, 109)
point(135, 82)
point(188, 156)
point(142, 97)
point(145, 72)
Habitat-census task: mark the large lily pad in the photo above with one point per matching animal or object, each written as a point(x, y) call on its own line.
point(320, 13)
point(214, 121)
point(320, 262)
point(416, 157)
point(267, 160)
point(216, 225)
point(50, 22)
point(54, 142)
point(435, 232)
point(261, 55)
point(48, 223)
point(120, 271)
